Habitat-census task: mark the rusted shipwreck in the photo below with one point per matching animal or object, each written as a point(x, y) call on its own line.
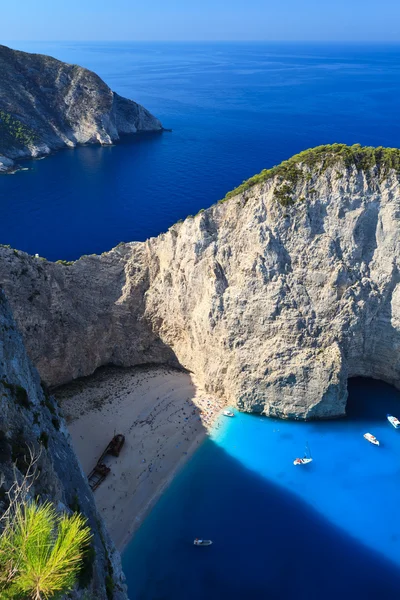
point(101, 470)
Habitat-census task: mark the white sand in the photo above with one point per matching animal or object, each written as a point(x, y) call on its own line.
point(163, 416)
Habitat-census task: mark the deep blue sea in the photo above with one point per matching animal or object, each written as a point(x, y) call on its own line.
point(329, 530)
point(234, 110)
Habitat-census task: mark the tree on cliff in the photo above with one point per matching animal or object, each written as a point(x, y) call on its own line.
point(41, 550)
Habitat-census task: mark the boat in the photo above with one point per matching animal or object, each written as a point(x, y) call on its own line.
point(371, 438)
point(302, 461)
point(305, 460)
point(98, 475)
point(393, 421)
point(198, 542)
point(228, 413)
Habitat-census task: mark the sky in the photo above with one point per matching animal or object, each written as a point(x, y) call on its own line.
point(200, 20)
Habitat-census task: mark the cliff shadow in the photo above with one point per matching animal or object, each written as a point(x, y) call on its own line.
point(162, 416)
point(371, 399)
point(267, 543)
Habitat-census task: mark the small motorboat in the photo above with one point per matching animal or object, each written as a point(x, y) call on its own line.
point(228, 413)
point(371, 438)
point(393, 421)
point(198, 542)
point(307, 458)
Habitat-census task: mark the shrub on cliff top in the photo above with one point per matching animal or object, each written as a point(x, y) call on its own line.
point(319, 159)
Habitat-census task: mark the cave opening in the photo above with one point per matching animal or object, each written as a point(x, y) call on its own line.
point(371, 399)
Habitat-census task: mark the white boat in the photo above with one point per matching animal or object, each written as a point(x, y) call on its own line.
point(371, 438)
point(393, 421)
point(198, 542)
point(302, 461)
point(228, 413)
point(305, 460)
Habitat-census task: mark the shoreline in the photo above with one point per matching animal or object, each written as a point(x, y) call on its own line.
point(163, 486)
point(164, 416)
point(125, 138)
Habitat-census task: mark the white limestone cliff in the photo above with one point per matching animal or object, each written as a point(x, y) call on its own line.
point(273, 298)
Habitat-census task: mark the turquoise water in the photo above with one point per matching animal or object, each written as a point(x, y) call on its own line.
point(279, 531)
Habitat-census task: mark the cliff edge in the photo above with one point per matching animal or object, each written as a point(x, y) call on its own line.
point(30, 418)
point(273, 297)
point(46, 104)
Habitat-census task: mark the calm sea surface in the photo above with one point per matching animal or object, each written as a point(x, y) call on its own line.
point(234, 110)
point(329, 530)
point(323, 531)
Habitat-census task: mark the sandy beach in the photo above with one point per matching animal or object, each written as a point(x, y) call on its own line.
point(163, 415)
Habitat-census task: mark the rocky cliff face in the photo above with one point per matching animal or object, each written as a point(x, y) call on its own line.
point(273, 298)
point(30, 418)
point(46, 104)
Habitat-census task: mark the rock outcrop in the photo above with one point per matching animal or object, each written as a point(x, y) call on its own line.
point(46, 104)
point(30, 419)
point(273, 298)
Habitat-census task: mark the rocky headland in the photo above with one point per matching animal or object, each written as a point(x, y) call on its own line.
point(46, 104)
point(273, 297)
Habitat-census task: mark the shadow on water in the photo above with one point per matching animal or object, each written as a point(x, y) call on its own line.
point(267, 543)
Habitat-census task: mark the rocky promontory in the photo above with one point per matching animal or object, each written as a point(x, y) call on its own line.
point(273, 297)
point(46, 104)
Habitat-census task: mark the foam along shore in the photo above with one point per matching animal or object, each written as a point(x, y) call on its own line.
point(163, 415)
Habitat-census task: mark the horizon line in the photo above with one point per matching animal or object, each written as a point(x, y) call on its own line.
point(282, 41)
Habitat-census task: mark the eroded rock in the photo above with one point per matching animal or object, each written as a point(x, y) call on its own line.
point(273, 303)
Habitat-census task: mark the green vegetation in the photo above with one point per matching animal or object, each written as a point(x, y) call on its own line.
point(18, 392)
point(74, 504)
point(109, 581)
point(41, 551)
point(86, 572)
point(13, 132)
point(301, 167)
point(66, 263)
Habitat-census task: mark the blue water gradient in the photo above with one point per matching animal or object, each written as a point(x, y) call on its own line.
point(234, 110)
point(324, 531)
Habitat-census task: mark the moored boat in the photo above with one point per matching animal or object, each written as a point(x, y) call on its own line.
point(393, 421)
point(306, 459)
point(228, 413)
point(302, 461)
point(198, 542)
point(371, 438)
